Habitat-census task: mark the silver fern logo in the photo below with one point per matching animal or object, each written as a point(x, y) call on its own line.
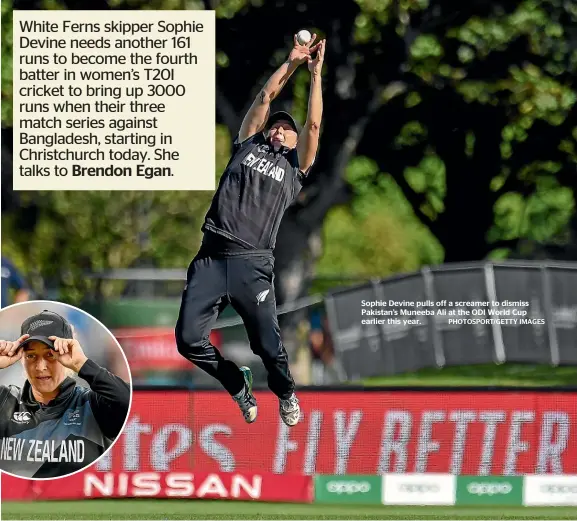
point(262, 296)
point(39, 323)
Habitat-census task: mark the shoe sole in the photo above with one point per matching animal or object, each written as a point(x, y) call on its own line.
point(291, 424)
point(253, 411)
point(252, 414)
point(300, 418)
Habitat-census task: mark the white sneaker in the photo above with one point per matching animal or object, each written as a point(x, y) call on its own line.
point(290, 410)
point(245, 399)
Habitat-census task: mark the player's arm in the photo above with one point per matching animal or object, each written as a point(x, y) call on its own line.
point(109, 399)
point(4, 393)
point(10, 352)
point(257, 115)
point(5, 410)
point(109, 396)
point(308, 142)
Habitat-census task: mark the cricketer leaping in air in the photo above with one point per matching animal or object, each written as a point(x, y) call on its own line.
point(234, 264)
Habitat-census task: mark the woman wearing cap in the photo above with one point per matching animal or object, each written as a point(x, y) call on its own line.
point(52, 426)
point(235, 262)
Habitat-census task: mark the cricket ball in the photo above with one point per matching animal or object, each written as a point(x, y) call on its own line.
point(304, 37)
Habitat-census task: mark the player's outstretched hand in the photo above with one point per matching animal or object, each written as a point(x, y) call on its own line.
point(316, 64)
point(69, 353)
point(300, 53)
point(9, 352)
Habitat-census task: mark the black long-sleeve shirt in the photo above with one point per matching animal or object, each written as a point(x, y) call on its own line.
point(67, 434)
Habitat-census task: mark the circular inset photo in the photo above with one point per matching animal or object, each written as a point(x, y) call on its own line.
point(65, 390)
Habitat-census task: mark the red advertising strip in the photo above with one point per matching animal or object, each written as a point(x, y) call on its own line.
point(470, 433)
point(154, 349)
point(200, 485)
point(467, 433)
point(150, 349)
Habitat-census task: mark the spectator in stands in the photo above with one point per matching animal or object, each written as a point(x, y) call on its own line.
point(322, 350)
point(13, 280)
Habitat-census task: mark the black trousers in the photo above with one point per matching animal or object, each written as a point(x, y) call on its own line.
point(246, 282)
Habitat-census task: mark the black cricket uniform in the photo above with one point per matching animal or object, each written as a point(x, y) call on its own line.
point(67, 434)
point(235, 263)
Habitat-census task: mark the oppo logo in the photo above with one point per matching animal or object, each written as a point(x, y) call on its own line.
point(559, 489)
point(489, 489)
point(418, 488)
point(348, 487)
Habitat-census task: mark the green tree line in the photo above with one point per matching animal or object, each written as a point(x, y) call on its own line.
point(448, 135)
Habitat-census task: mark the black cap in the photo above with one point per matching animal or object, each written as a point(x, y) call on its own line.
point(281, 114)
point(44, 325)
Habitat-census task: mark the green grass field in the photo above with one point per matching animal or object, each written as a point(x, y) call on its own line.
point(203, 509)
point(486, 375)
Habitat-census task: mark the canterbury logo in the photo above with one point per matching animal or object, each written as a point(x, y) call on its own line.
point(39, 323)
point(21, 417)
point(262, 296)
